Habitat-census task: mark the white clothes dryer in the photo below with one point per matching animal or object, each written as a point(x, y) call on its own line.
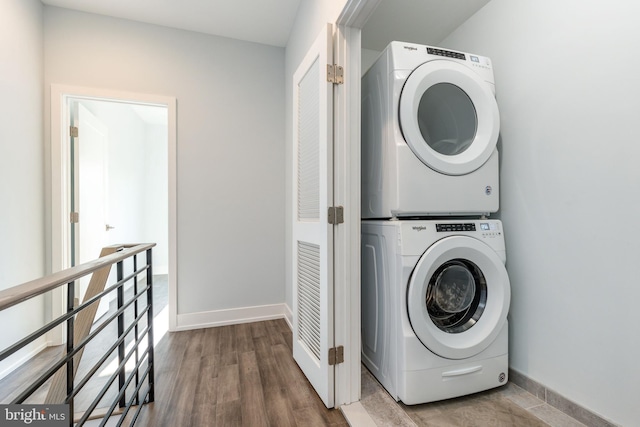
point(430, 125)
point(435, 298)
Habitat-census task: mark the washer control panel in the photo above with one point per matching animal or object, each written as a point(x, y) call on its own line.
point(490, 229)
point(447, 53)
point(443, 228)
point(486, 229)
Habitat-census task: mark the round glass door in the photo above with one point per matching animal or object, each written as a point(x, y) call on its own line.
point(458, 297)
point(449, 117)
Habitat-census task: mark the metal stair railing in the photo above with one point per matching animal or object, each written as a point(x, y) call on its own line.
point(65, 385)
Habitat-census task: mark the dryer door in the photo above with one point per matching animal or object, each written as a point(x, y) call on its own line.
point(458, 297)
point(449, 117)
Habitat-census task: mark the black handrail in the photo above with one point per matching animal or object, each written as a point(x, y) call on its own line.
point(143, 372)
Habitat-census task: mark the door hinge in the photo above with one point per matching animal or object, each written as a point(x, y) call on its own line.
point(335, 215)
point(74, 218)
point(73, 131)
point(336, 355)
point(335, 74)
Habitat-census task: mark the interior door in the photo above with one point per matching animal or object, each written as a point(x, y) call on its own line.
point(312, 235)
point(89, 152)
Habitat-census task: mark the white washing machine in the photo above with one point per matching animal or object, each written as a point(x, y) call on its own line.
point(435, 298)
point(430, 125)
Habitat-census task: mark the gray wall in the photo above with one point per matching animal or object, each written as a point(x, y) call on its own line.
point(568, 89)
point(230, 143)
point(21, 163)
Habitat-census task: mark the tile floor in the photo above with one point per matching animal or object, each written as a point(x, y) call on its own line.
point(506, 406)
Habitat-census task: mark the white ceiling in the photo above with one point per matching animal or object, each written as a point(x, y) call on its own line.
point(261, 21)
point(270, 21)
point(417, 21)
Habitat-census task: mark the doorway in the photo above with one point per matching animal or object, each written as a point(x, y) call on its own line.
point(139, 180)
point(119, 171)
point(365, 27)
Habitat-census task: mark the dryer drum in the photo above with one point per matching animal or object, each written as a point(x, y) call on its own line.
point(456, 296)
point(447, 119)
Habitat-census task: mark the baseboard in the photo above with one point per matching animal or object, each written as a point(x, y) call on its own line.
point(288, 316)
point(356, 415)
point(160, 269)
point(208, 319)
point(558, 401)
point(22, 357)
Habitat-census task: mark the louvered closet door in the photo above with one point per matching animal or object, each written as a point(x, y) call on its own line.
point(312, 234)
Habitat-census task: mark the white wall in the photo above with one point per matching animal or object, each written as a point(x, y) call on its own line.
point(137, 177)
point(368, 58)
point(21, 163)
point(569, 93)
point(230, 143)
point(311, 17)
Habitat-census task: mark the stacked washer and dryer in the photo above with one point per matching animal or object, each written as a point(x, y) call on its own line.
point(435, 291)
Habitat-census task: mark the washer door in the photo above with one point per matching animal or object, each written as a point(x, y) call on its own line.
point(449, 117)
point(458, 297)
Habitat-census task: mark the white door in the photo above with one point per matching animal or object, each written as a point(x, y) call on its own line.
point(312, 235)
point(90, 191)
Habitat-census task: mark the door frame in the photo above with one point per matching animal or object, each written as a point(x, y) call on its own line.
point(346, 192)
point(59, 248)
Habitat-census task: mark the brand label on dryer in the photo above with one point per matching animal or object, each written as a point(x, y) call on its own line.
point(419, 227)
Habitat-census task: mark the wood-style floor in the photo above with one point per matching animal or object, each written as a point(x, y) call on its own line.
point(239, 375)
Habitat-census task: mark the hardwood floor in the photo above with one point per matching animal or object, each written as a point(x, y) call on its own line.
point(239, 375)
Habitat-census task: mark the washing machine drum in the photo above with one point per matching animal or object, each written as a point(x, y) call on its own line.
point(458, 297)
point(449, 117)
